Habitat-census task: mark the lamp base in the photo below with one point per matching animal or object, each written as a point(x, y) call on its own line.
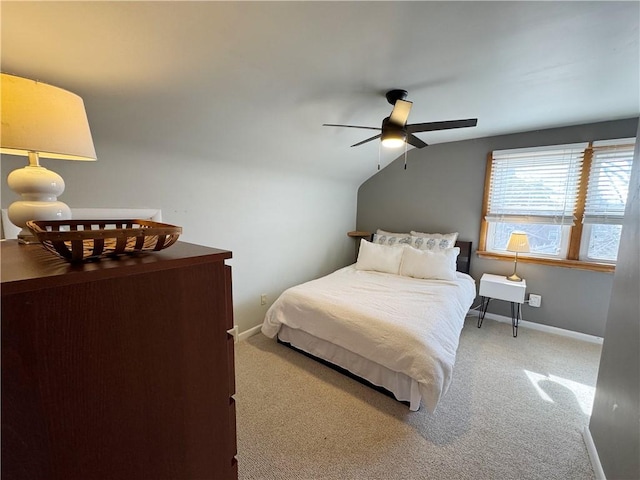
point(27, 239)
point(38, 188)
point(514, 278)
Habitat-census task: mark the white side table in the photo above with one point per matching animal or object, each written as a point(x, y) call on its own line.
point(499, 288)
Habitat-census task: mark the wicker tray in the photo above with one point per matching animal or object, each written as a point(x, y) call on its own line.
point(81, 240)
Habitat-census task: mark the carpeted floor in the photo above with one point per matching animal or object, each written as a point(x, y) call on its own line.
point(516, 409)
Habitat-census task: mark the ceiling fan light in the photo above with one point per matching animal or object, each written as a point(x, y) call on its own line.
point(393, 139)
point(392, 142)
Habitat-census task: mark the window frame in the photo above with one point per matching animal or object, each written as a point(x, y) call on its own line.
point(577, 245)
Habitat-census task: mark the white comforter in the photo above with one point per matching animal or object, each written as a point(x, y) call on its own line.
point(408, 325)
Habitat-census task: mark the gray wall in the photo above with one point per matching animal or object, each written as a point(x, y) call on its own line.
point(442, 191)
point(615, 421)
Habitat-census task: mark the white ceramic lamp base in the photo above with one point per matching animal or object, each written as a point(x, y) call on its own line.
point(39, 189)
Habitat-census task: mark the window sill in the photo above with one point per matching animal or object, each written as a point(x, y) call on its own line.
point(596, 267)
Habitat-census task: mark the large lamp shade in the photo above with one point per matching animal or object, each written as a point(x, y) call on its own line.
point(41, 121)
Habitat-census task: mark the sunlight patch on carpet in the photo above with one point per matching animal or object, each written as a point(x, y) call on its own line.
point(584, 394)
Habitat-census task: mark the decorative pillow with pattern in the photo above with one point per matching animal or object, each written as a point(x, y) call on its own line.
point(383, 237)
point(433, 241)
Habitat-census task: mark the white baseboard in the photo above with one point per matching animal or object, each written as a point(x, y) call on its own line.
point(593, 454)
point(543, 328)
point(249, 333)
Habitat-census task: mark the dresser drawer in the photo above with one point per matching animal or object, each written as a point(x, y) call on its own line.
point(231, 363)
point(233, 449)
point(228, 295)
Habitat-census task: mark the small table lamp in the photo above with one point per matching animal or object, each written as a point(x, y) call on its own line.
point(518, 243)
point(39, 120)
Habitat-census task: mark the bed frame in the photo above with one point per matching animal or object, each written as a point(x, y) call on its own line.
point(343, 371)
point(463, 265)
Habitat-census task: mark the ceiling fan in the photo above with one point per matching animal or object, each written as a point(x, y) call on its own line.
point(394, 131)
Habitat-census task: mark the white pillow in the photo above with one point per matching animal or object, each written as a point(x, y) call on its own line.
point(390, 238)
point(433, 241)
point(435, 265)
point(379, 258)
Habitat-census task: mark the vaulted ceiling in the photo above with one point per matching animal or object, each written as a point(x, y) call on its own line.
point(253, 82)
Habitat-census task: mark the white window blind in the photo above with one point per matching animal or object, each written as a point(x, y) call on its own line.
point(535, 185)
point(609, 181)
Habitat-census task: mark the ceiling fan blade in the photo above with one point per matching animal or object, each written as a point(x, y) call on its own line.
point(400, 112)
point(431, 126)
point(350, 126)
point(415, 141)
point(367, 140)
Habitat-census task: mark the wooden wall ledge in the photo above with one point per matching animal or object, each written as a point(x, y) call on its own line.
point(359, 234)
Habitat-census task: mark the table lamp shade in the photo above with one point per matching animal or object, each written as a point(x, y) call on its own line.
point(518, 242)
point(40, 120)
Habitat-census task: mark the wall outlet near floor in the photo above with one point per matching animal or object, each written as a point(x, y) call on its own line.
point(263, 299)
point(535, 300)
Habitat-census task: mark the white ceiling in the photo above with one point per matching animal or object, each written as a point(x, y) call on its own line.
point(253, 82)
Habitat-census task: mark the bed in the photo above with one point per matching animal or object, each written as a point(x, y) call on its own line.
point(394, 329)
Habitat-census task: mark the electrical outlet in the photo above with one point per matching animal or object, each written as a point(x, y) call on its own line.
point(535, 300)
point(263, 299)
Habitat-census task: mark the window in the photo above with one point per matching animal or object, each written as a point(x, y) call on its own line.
point(569, 199)
point(606, 200)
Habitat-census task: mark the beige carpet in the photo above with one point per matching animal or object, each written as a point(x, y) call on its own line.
point(516, 409)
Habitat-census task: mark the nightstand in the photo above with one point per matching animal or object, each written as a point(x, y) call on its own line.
point(499, 288)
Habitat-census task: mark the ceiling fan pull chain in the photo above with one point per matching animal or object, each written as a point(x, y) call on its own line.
point(379, 149)
point(405, 155)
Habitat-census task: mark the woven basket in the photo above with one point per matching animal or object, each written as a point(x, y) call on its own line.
point(80, 240)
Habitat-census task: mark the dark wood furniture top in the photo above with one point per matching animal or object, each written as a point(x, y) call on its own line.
point(28, 267)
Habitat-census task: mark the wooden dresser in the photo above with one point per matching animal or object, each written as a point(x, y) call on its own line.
point(117, 369)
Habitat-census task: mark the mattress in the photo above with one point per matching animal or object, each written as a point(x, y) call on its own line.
point(407, 326)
